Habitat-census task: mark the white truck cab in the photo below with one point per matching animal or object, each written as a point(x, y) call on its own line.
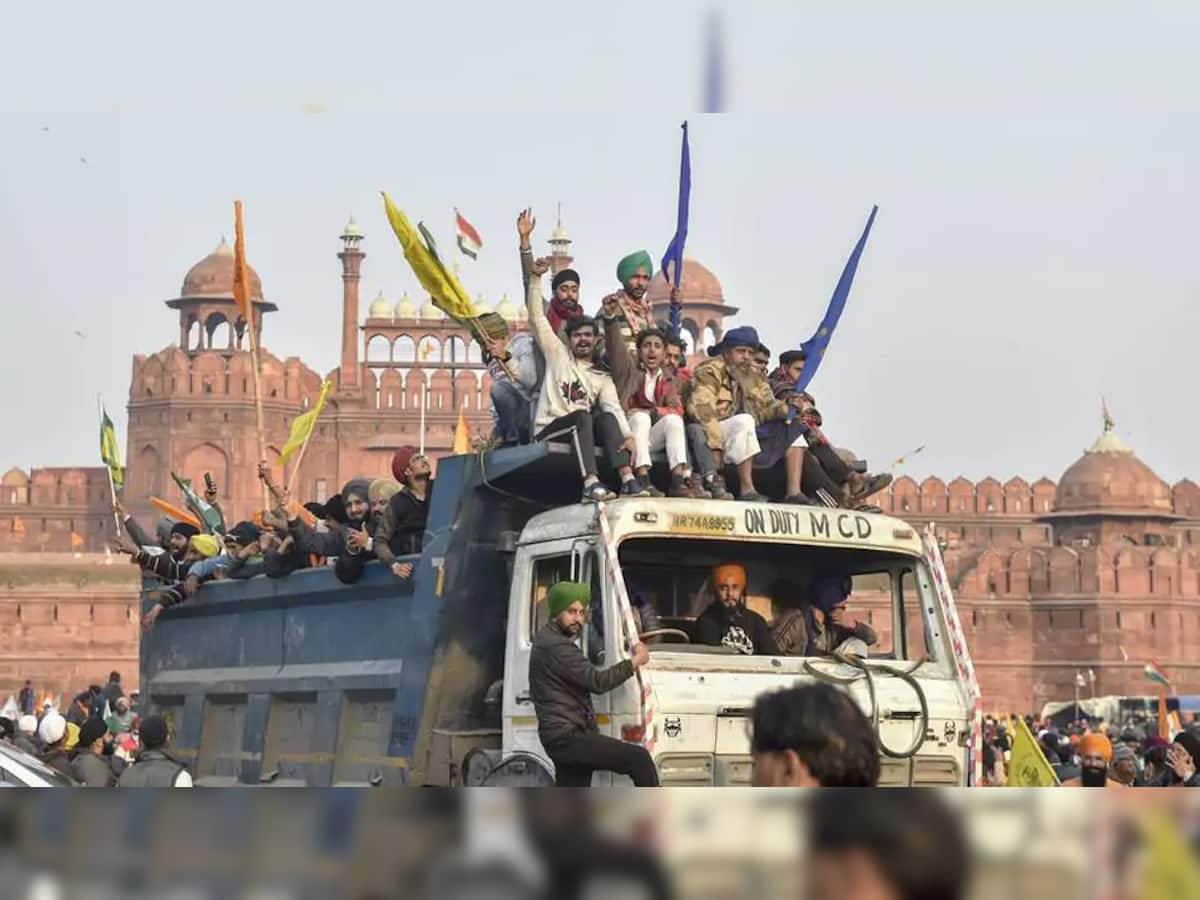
point(691, 705)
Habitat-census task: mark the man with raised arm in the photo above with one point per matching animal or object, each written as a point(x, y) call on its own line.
point(578, 401)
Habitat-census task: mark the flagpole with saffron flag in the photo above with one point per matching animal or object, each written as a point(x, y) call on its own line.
point(111, 457)
point(816, 345)
point(304, 424)
point(674, 251)
point(241, 294)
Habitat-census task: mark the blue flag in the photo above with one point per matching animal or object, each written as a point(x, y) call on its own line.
point(816, 345)
point(674, 253)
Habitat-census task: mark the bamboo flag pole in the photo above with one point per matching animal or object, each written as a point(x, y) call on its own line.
point(112, 487)
point(241, 293)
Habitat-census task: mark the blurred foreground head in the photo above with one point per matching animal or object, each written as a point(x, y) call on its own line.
point(897, 844)
point(812, 736)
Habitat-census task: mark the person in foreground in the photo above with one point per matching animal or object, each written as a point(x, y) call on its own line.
point(153, 767)
point(1095, 756)
point(561, 683)
point(812, 736)
point(898, 845)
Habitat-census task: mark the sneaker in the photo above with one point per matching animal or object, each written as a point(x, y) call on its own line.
point(648, 486)
point(596, 492)
point(753, 497)
point(799, 500)
point(874, 485)
point(633, 488)
point(715, 485)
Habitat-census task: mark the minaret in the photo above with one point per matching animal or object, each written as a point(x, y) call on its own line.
point(351, 257)
point(560, 246)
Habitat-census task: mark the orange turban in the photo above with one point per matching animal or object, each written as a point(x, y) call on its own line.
point(727, 571)
point(1093, 744)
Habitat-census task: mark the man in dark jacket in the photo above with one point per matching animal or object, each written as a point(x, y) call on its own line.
point(153, 767)
point(561, 683)
point(728, 623)
point(401, 529)
point(90, 767)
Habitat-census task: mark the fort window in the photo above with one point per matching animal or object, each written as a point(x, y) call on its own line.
point(1153, 619)
point(1118, 618)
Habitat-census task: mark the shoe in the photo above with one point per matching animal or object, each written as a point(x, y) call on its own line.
point(596, 492)
point(824, 498)
point(753, 497)
point(874, 485)
point(633, 488)
point(648, 486)
point(715, 485)
point(799, 500)
point(685, 486)
point(868, 508)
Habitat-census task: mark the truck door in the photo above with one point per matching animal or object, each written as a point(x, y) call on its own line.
point(535, 570)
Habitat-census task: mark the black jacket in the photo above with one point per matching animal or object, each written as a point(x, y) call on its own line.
point(562, 681)
point(153, 768)
point(401, 528)
point(93, 771)
point(742, 629)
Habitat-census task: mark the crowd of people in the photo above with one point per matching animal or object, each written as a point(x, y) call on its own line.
point(101, 740)
point(1094, 754)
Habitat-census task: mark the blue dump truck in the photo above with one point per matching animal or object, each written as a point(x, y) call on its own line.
point(303, 680)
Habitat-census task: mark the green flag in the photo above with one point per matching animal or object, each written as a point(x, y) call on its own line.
point(110, 450)
point(207, 513)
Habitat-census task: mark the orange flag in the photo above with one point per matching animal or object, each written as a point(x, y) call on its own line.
point(76, 541)
point(18, 526)
point(462, 435)
point(241, 277)
point(171, 511)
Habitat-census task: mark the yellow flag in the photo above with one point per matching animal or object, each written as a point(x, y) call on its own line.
point(110, 450)
point(302, 426)
point(1170, 871)
point(443, 287)
point(241, 277)
point(1028, 766)
point(462, 435)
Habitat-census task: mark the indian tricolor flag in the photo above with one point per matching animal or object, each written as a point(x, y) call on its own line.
point(469, 241)
point(1155, 674)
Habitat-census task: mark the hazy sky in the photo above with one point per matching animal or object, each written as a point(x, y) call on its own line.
point(1036, 173)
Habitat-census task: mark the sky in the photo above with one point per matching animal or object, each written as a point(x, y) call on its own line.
point(1036, 174)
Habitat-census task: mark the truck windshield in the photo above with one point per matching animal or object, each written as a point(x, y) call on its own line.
point(798, 600)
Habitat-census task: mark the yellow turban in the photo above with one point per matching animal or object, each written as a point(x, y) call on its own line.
point(726, 572)
point(382, 489)
point(205, 544)
point(1096, 744)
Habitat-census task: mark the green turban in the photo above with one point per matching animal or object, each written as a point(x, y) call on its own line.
point(564, 593)
point(628, 267)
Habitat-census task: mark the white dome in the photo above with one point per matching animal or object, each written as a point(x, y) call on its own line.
point(380, 308)
point(405, 308)
point(430, 311)
point(507, 308)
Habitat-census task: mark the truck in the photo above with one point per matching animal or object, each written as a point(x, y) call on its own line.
point(304, 680)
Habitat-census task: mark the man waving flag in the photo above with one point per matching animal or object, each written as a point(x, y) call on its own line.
point(469, 241)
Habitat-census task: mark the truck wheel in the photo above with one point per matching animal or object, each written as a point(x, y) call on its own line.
point(518, 770)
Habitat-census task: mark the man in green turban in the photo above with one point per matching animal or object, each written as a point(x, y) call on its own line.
point(630, 305)
point(561, 684)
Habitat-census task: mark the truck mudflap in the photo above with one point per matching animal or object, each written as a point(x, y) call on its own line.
point(965, 667)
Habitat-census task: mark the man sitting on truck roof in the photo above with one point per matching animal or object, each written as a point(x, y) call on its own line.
point(650, 395)
point(727, 622)
point(578, 400)
point(561, 684)
point(729, 401)
point(825, 469)
point(514, 367)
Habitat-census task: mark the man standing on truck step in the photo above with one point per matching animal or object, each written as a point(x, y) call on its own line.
point(578, 401)
point(561, 683)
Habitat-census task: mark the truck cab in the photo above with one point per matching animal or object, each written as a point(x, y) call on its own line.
point(305, 680)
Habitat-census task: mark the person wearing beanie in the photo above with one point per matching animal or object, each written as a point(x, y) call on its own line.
point(561, 683)
point(578, 403)
point(564, 299)
point(153, 767)
point(52, 732)
point(401, 528)
point(630, 306)
point(828, 632)
point(516, 381)
point(181, 534)
point(1095, 755)
point(90, 767)
point(727, 622)
point(1124, 764)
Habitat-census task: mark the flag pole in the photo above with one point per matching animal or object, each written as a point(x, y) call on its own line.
point(112, 487)
point(422, 425)
point(248, 313)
